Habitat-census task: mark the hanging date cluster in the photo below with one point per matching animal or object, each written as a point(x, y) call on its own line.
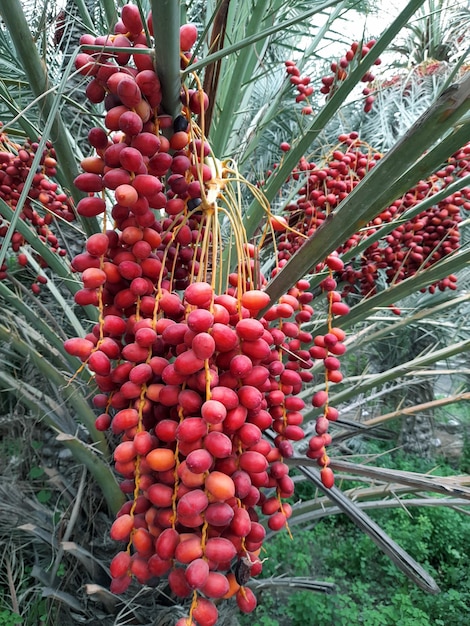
point(407, 246)
point(198, 375)
point(43, 202)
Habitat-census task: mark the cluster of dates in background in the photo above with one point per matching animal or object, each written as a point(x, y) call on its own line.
point(43, 202)
point(413, 244)
point(331, 81)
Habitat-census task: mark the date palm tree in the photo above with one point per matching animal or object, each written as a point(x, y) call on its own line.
point(239, 59)
point(432, 50)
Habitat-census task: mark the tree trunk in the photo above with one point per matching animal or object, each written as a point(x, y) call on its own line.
point(417, 434)
point(417, 431)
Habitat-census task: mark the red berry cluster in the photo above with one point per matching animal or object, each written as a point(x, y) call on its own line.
point(143, 169)
point(191, 376)
point(327, 348)
point(410, 247)
point(331, 82)
point(417, 243)
point(191, 384)
point(323, 189)
point(127, 81)
point(339, 73)
point(302, 85)
point(43, 202)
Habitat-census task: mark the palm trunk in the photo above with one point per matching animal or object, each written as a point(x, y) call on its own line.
point(417, 431)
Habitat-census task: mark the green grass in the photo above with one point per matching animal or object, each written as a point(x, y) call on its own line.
point(457, 410)
point(370, 591)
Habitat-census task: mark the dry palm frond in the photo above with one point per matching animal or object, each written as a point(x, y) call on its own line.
point(402, 559)
point(293, 583)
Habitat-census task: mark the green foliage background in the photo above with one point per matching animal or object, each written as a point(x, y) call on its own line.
point(369, 590)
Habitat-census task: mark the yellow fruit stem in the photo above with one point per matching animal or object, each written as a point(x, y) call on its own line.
point(208, 379)
point(138, 460)
point(214, 192)
point(204, 535)
point(192, 608)
point(281, 509)
point(174, 497)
